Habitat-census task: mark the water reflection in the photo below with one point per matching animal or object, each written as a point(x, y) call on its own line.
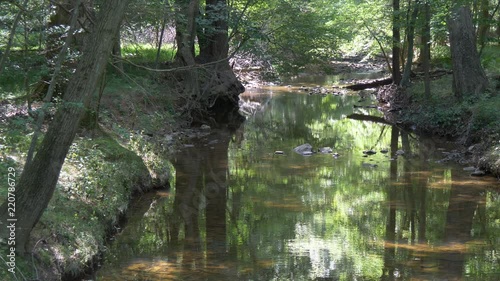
point(241, 212)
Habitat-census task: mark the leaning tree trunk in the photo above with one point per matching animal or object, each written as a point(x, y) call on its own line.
point(468, 74)
point(38, 179)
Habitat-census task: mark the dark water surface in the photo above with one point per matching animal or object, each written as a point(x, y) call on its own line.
point(241, 212)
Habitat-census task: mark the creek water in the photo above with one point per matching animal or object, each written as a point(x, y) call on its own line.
point(239, 211)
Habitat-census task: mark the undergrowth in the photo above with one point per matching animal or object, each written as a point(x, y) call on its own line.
point(470, 120)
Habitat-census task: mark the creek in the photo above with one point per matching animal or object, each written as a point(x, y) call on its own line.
point(245, 206)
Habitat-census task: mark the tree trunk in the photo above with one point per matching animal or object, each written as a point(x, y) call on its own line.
point(185, 27)
point(38, 179)
point(210, 92)
point(11, 36)
point(405, 80)
point(468, 74)
point(62, 17)
point(162, 32)
point(426, 50)
point(52, 84)
point(117, 52)
point(215, 45)
point(484, 22)
point(396, 42)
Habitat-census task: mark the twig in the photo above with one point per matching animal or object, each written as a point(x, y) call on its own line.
point(381, 47)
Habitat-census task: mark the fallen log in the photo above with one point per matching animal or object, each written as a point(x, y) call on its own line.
point(371, 84)
point(362, 117)
point(382, 82)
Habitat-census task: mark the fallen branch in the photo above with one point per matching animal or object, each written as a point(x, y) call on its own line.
point(363, 117)
point(371, 84)
point(382, 82)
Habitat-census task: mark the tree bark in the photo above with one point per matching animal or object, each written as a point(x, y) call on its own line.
point(468, 75)
point(410, 35)
point(484, 22)
point(210, 89)
point(185, 27)
point(52, 84)
point(426, 50)
point(371, 84)
point(396, 42)
point(38, 179)
point(11, 36)
point(117, 52)
point(215, 44)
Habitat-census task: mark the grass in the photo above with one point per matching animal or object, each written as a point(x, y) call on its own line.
point(95, 186)
point(146, 53)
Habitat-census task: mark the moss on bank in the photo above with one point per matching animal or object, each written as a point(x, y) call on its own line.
point(95, 187)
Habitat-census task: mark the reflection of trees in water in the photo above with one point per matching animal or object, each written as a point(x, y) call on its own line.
point(284, 217)
point(407, 252)
point(463, 203)
point(200, 205)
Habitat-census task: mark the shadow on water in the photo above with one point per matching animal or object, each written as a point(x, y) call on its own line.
point(239, 211)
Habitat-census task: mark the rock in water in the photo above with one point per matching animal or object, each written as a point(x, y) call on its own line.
point(304, 149)
point(478, 173)
point(369, 152)
point(325, 150)
point(469, 169)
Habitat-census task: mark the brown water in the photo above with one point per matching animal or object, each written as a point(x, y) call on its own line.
point(241, 212)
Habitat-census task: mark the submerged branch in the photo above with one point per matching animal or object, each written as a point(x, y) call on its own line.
point(362, 117)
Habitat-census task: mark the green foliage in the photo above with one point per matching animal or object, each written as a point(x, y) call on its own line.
point(20, 74)
point(473, 118)
point(441, 56)
point(441, 114)
point(486, 117)
point(17, 134)
point(290, 34)
point(146, 53)
point(5, 163)
point(490, 58)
